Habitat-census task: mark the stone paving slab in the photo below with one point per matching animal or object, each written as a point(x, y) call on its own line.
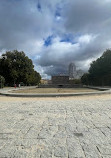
point(74, 127)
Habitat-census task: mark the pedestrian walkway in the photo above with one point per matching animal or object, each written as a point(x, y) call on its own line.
point(75, 127)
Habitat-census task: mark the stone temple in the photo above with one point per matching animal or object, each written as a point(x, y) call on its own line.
point(60, 80)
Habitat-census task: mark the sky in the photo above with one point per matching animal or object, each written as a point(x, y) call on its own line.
point(54, 33)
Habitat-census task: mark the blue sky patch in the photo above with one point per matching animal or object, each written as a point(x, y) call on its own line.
point(48, 40)
point(39, 6)
point(69, 38)
point(58, 12)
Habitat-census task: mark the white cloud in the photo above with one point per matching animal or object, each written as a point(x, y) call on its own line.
point(24, 27)
point(85, 39)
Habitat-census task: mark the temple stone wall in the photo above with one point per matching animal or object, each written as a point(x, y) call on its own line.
point(60, 80)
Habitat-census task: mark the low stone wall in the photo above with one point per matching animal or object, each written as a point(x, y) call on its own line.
point(97, 88)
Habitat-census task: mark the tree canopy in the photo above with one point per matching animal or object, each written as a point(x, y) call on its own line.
point(16, 67)
point(2, 81)
point(99, 71)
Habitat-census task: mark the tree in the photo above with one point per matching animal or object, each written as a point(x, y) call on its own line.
point(85, 79)
point(75, 81)
point(100, 70)
point(16, 67)
point(2, 81)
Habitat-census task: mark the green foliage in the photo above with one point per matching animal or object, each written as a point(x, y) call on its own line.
point(16, 67)
point(99, 71)
point(75, 81)
point(85, 79)
point(2, 81)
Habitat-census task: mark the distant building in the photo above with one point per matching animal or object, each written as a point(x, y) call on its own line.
point(72, 70)
point(44, 81)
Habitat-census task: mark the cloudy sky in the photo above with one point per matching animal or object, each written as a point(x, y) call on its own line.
point(54, 33)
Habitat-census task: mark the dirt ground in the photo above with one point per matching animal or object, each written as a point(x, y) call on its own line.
point(54, 90)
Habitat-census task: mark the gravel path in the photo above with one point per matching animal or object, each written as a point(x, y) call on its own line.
point(72, 127)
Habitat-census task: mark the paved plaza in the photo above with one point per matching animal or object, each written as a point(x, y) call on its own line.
point(71, 127)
